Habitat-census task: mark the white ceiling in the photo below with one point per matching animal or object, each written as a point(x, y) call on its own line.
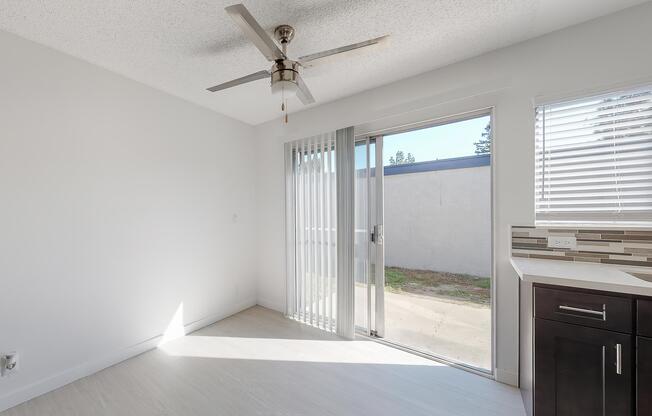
point(185, 46)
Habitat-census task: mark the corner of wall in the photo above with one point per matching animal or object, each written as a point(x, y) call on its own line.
point(25, 393)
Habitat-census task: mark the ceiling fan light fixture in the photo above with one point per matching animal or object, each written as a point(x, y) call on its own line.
point(285, 75)
point(284, 87)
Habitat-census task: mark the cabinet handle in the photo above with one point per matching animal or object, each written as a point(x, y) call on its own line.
point(619, 359)
point(603, 314)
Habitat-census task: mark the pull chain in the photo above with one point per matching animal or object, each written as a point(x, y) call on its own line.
point(284, 106)
point(286, 112)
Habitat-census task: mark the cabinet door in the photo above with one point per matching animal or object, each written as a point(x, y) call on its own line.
point(581, 371)
point(643, 376)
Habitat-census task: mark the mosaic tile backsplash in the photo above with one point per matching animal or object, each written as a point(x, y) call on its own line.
point(611, 246)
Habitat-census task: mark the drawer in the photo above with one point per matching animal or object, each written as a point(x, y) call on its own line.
point(644, 317)
point(587, 309)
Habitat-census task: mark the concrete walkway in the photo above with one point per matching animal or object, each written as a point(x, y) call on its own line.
point(456, 330)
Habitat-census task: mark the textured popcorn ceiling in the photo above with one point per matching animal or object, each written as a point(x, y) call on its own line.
point(185, 46)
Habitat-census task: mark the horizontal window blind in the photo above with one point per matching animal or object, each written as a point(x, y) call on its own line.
point(594, 160)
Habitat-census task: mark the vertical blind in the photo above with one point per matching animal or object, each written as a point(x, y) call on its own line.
point(311, 206)
point(594, 159)
point(345, 176)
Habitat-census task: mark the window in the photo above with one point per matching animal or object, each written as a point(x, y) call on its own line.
point(594, 160)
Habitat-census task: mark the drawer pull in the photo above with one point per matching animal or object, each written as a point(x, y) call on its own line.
point(619, 359)
point(603, 314)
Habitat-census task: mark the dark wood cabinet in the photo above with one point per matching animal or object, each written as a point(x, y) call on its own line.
point(591, 353)
point(644, 318)
point(643, 376)
point(581, 370)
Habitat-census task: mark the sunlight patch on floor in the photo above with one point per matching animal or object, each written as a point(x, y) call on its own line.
point(299, 350)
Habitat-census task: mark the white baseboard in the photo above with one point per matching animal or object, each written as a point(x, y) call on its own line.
point(55, 381)
point(266, 303)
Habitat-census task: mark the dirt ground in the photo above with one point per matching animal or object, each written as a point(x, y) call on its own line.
point(455, 286)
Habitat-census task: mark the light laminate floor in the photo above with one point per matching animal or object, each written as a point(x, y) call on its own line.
point(259, 363)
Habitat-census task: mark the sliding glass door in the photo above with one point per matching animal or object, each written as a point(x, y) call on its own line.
point(423, 245)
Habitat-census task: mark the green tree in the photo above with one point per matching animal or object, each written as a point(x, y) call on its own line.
point(483, 146)
point(401, 159)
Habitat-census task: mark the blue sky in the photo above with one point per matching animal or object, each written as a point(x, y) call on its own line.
point(439, 142)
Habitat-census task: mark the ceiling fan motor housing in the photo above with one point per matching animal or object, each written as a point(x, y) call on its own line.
point(285, 71)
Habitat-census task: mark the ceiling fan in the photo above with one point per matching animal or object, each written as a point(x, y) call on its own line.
point(284, 74)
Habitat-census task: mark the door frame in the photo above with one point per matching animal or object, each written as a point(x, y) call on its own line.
point(375, 318)
point(370, 132)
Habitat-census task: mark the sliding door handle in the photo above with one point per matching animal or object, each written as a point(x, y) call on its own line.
point(619, 359)
point(377, 234)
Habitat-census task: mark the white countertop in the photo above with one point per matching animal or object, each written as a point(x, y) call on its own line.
point(581, 275)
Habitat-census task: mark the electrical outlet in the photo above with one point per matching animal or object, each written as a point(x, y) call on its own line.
point(8, 364)
point(569, 243)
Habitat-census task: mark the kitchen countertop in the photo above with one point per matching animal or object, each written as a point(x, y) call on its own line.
point(580, 275)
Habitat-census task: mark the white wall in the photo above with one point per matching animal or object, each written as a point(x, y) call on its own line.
point(119, 202)
point(439, 220)
point(600, 54)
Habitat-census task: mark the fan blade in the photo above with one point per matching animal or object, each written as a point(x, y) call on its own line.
point(303, 92)
point(323, 54)
point(247, 78)
point(254, 32)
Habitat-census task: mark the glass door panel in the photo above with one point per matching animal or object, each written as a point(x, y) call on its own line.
point(423, 243)
point(437, 241)
point(361, 243)
point(366, 271)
